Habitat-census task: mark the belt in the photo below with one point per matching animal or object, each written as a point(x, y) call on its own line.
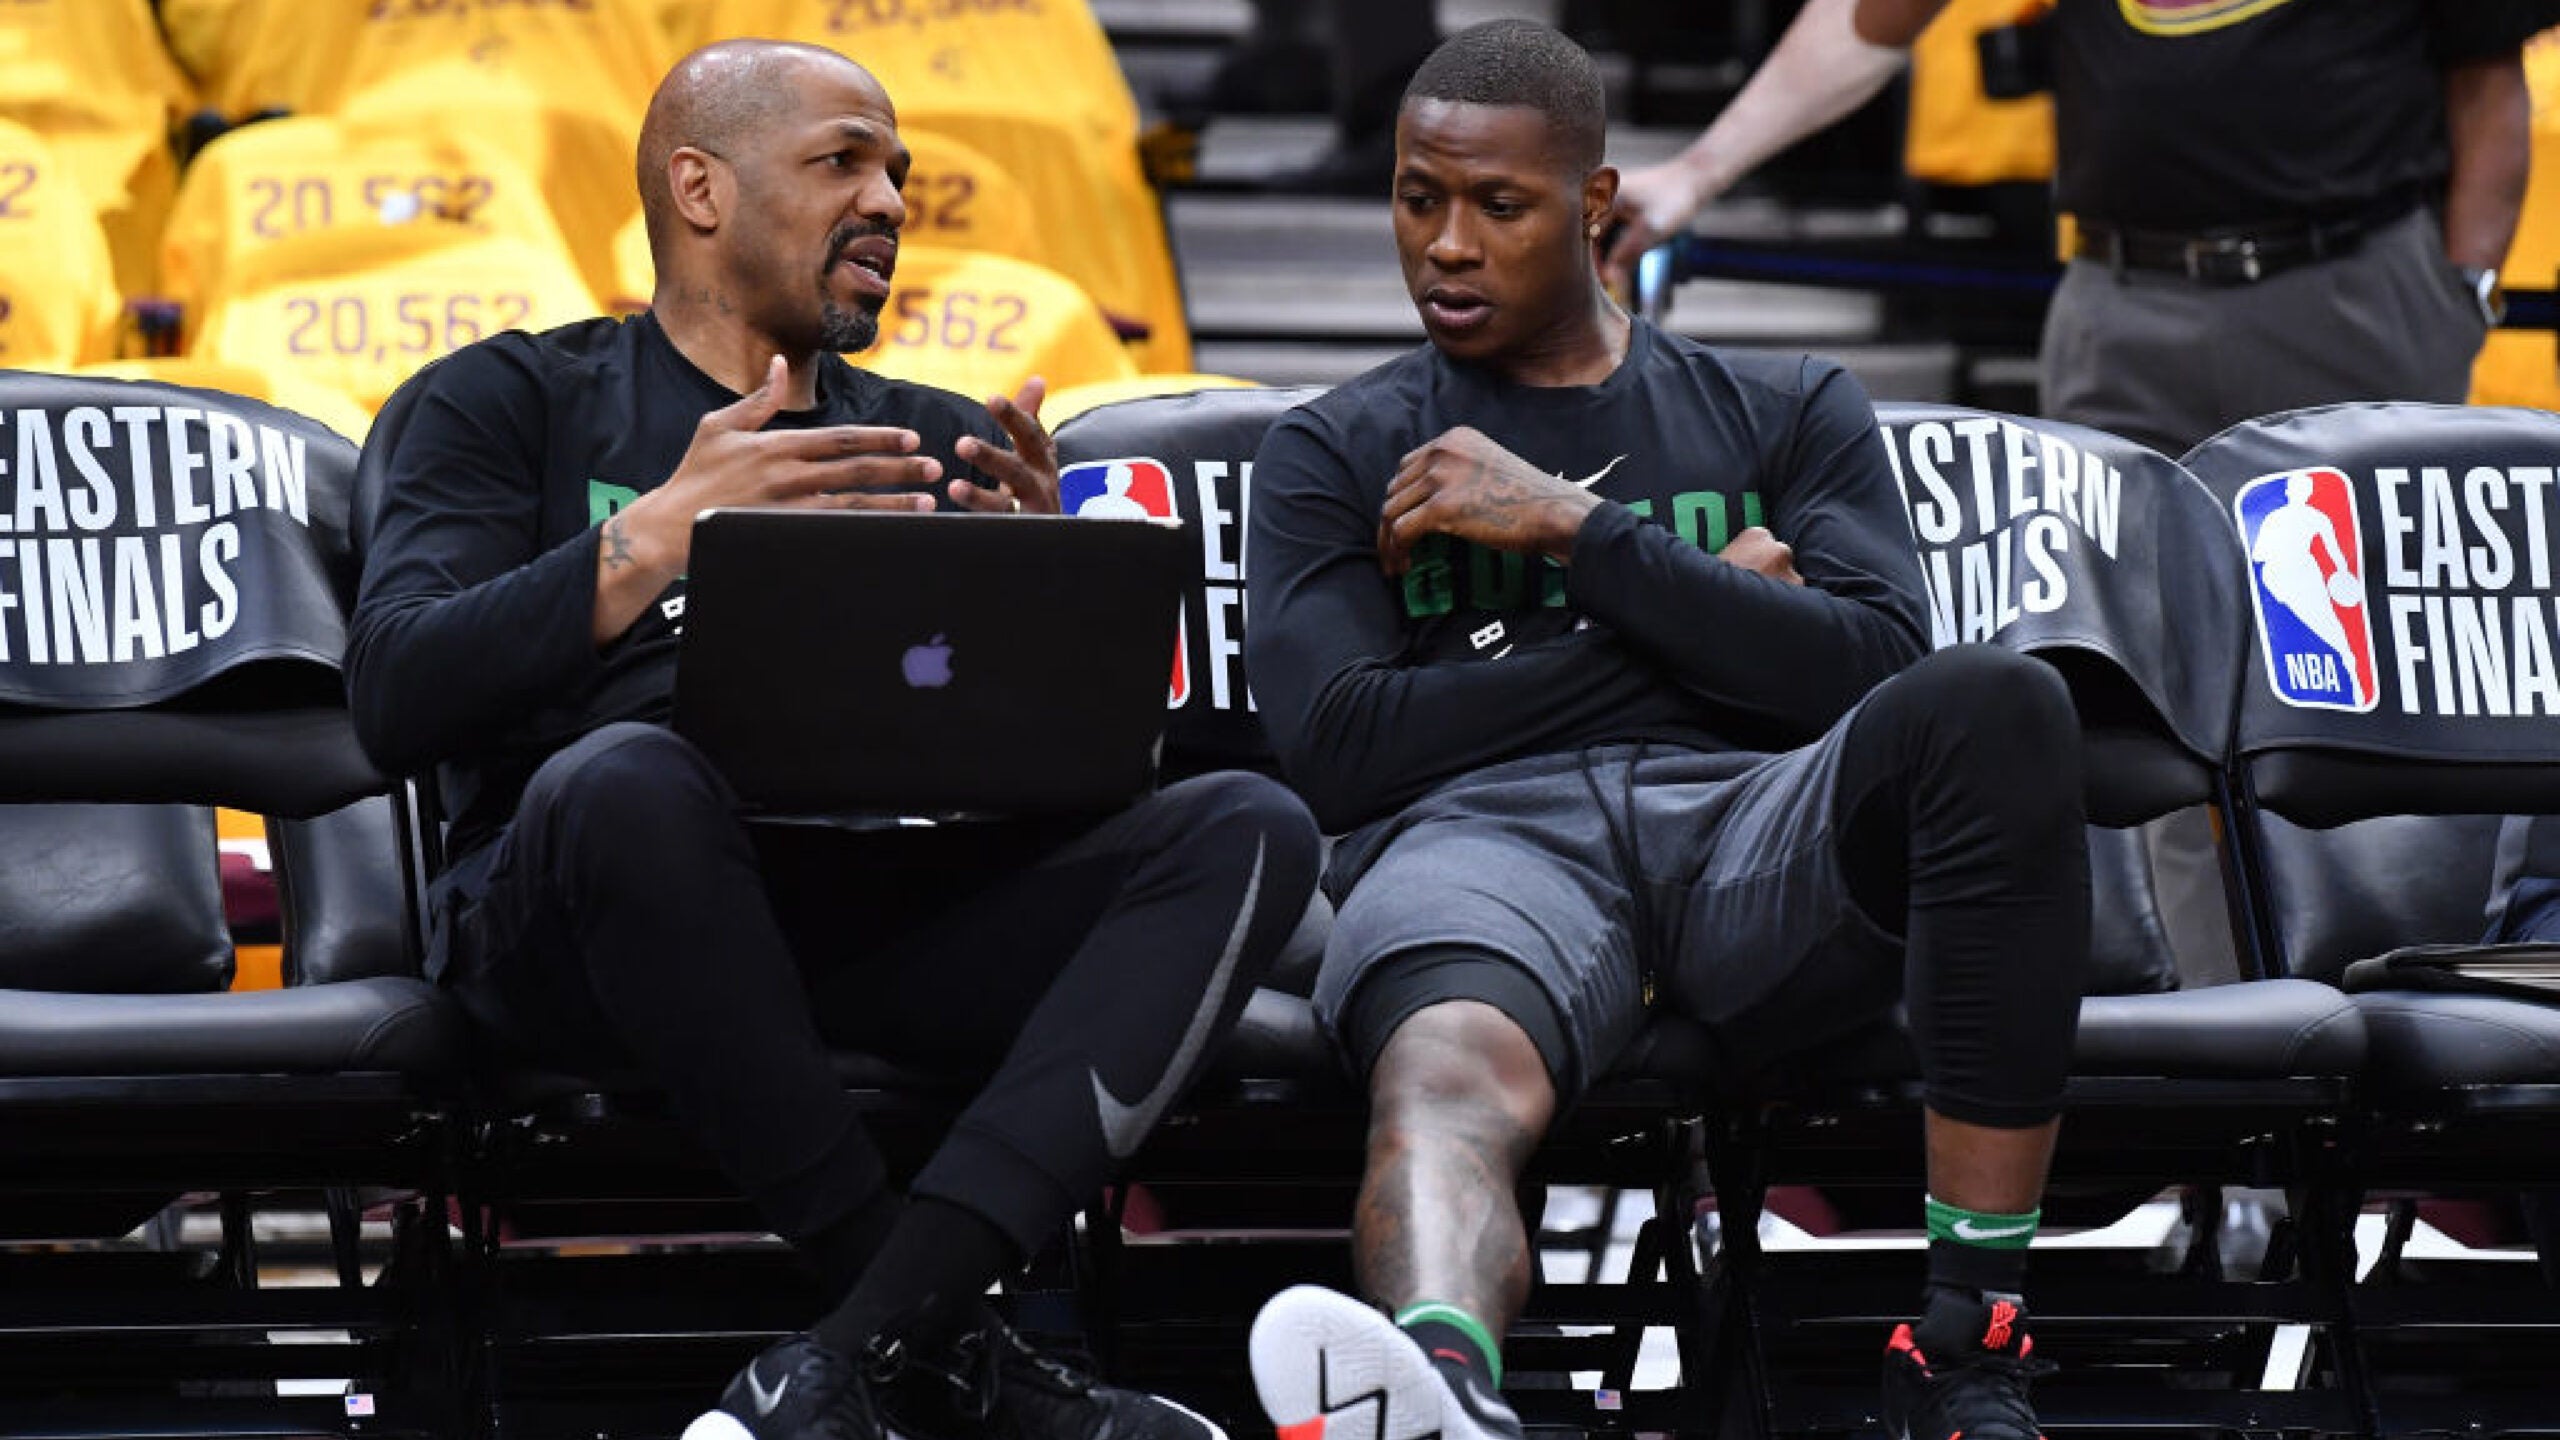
point(2233, 257)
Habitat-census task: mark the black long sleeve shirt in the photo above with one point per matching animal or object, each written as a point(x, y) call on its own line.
point(478, 501)
point(1376, 690)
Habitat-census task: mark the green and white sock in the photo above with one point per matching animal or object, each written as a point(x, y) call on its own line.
point(1979, 1253)
point(1446, 1332)
point(1977, 1228)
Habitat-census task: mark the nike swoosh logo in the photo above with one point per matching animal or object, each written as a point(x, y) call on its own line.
point(1967, 1230)
point(1596, 476)
point(765, 1399)
point(1125, 1125)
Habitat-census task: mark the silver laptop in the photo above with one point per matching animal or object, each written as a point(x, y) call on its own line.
point(841, 663)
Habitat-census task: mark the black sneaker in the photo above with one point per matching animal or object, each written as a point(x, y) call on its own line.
point(991, 1383)
point(797, 1389)
point(1978, 1392)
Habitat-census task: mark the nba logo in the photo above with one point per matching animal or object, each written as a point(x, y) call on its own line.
point(1130, 490)
point(2306, 573)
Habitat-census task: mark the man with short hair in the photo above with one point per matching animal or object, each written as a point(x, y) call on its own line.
point(1606, 650)
point(607, 906)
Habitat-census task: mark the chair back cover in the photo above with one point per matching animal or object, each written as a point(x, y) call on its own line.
point(2403, 607)
point(2095, 554)
point(1189, 457)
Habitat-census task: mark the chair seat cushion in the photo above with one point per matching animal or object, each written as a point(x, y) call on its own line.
point(1277, 1038)
point(388, 1024)
point(1280, 1038)
point(2253, 1030)
point(507, 1088)
point(2270, 1029)
point(2274, 1029)
point(2425, 1040)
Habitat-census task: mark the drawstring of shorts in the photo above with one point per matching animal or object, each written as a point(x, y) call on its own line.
point(1626, 844)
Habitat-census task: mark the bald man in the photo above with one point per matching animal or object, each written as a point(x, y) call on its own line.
point(529, 507)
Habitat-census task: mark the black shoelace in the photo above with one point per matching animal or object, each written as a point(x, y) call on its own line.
point(2006, 1396)
point(847, 1415)
point(983, 1357)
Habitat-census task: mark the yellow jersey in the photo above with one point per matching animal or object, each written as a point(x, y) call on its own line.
point(92, 78)
point(1956, 134)
point(981, 324)
point(359, 309)
point(263, 183)
point(58, 299)
point(2522, 367)
point(284, 391)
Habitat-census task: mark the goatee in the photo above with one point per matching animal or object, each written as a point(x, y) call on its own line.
point(847, 331)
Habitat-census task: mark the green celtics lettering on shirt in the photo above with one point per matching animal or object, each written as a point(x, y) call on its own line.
point(1447, 572)
point(604, 499)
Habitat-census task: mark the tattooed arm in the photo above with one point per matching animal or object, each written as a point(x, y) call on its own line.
point(1465, 485)
point(624, 587)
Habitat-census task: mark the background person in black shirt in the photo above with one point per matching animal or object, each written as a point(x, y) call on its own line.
point(2277, 205)
point(1605, 649)
point(529, 507)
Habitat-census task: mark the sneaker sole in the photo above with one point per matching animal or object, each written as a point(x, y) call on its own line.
point(1327, 1367)
point(717, 1425)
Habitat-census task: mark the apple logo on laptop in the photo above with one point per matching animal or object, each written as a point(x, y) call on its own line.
point(927, 666)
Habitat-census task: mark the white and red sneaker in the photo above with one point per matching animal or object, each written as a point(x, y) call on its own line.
point(1328, 1367)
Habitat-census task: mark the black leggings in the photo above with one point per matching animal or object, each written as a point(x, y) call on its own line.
point(1959, 809)
point(1078, 975)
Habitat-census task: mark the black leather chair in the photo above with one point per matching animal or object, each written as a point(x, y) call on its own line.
point(2110, 563)
point(129, 1075)
point(2370, 796)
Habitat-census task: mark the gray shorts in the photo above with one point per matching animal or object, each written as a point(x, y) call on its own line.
point(1722, 883)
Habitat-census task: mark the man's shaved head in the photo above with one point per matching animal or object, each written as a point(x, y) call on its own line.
point(769, 176)
point(719, 98)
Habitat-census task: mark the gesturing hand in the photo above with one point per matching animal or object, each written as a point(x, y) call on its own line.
point(1027, 475)
point(733, 460)
point(1465, 485)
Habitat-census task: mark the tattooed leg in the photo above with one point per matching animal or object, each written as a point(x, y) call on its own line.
point(1458, 1099)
